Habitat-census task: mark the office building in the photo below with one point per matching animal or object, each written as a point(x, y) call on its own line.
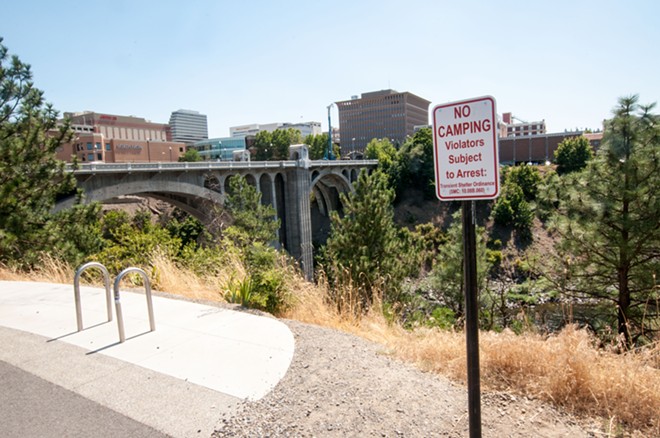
point(219, 149)
point(380, 114)
point(118, 139)
point(305, 128)
point(521, 128)
point(188, 126)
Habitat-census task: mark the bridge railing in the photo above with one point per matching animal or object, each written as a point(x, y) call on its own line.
point(210, 165)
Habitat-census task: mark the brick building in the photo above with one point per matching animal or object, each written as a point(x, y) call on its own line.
point(380, 114)
point(119, 139)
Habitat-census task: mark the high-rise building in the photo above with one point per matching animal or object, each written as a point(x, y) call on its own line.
point(380, 114)
point(188, 126)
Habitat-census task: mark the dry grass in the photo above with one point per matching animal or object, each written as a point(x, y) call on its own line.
point(565, 369)
point(49, 270)
point(168, 277)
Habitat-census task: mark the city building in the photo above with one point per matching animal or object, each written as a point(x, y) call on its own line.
point(220, 149)
point(539, 148)
point(118, 139)
point(305, 128)
point(188, 126)
point(520, 129)
point(380, 114)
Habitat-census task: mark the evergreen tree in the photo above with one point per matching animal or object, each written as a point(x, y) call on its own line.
point(447, 273)
point(608, 221)
point(31, 177)
point(252, 221)
point(364, 247)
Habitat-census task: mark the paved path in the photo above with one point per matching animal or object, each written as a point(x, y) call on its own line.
point(179, 380)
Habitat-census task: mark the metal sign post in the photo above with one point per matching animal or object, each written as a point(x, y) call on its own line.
point(466, 161)
point(471, 317)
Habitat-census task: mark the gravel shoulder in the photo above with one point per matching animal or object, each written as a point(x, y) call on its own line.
point(341, 385)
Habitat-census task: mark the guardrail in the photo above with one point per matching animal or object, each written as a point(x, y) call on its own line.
point(91, 168)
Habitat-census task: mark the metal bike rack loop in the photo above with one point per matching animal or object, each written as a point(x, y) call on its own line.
point(76, 290)
point(150, 307)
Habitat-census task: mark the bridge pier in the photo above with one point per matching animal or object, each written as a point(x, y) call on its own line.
point(298, 220)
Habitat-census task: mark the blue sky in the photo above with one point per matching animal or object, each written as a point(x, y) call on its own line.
point(249, 61)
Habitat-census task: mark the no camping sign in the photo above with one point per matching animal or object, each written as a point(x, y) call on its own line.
point(465, 150)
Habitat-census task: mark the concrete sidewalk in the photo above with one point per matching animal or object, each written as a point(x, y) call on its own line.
point(181, 379)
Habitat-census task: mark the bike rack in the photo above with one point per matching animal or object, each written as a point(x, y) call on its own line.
point(147, 286)
point(76, 290)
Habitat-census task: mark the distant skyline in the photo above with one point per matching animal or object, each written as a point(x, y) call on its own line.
point(286, 61)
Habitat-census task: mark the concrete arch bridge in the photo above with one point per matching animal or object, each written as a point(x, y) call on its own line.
point(302, 192)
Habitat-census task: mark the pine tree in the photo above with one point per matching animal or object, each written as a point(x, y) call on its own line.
point(608, 220)
point(252, 221)
point(30, 175)
point(447, 273)
point(364, 247)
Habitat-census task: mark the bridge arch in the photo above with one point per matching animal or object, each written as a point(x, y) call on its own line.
point(325, 197)
point(192, 198)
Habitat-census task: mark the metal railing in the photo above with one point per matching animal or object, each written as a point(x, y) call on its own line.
point(91, 168)
point(150, 307)
point(76, 290)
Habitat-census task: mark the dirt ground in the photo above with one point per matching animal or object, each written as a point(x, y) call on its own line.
point(340, 385)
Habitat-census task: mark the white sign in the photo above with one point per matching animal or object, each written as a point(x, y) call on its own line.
point(465, 150)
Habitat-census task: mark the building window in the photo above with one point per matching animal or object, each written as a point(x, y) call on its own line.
point(107, 146)
point(98, 145)
point(99, 156)
point(89, 146)
point(90, 157)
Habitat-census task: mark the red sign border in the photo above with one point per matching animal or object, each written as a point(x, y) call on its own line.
point(496, 161)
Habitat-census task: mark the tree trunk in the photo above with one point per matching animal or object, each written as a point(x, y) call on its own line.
point(623, 307)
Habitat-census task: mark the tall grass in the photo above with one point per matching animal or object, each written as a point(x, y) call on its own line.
point(566, 369)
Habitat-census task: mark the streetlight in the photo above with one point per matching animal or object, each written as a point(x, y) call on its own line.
point(148, 151)
point(170, 154)
point(329, 155)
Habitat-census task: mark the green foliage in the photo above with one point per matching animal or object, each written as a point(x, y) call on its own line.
point(252, 221)
point(191, 156)
point(512, 207)
point(382, 150)
point(364, 246)
point(607, 218)
point(275, 145)
point(430, 238)
point(188, 229)
point(573, 154)
point(133, 243)
point(75, 233)
point(241, 292)
point(31, 177)
point(528, 178)
point(447, 274)
point(318, 145)
point(415, 167)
